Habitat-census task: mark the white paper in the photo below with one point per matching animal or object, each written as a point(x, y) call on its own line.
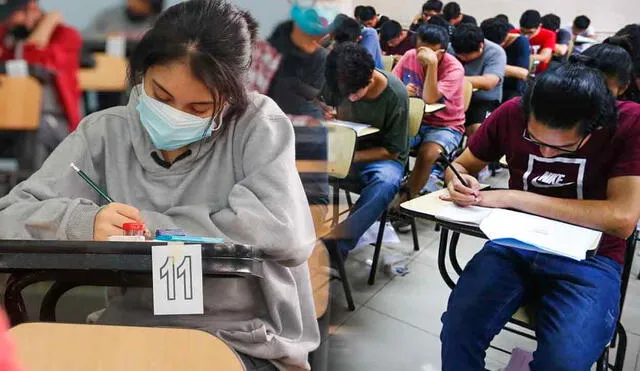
point(545, 234)
point(431, 108)
point(360, 129)
point(177, 279)
point(17, 68)
point(371, 235)
point(471, 215)
point(116, 46)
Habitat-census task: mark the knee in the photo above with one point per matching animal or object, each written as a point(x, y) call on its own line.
point(388, 180)
point(566, 353)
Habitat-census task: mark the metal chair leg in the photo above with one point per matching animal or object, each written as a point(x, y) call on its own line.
point(336, 205)
point(337, 256)
point(603, 362)
point(621, 348)
point(376, 253)
point(51, 298)
point(349, 200)
point(414, 232)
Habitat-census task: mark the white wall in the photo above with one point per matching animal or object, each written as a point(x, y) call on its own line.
point(606, 16)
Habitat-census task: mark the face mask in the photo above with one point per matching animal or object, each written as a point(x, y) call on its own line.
point(169, 128)
point(314, 20)
point(20, 32)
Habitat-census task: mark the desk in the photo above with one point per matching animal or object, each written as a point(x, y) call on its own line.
point(109, 75)
point(20, 103)
point(433, 108)
point(361, 130)
point(88, 263)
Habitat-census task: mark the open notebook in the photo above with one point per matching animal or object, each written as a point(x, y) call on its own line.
point(525, 231)
point(360, 129)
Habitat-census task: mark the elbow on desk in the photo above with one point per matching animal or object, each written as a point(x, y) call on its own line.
point(622, 225)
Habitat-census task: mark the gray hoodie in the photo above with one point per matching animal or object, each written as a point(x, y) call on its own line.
point(242, 185)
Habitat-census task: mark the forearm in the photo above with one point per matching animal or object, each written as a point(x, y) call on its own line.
point(484, 82)
point(374, 154)
point(544, 56)
point(41, 36)
point(516, 72)
point(561, 49)
point(430, 92)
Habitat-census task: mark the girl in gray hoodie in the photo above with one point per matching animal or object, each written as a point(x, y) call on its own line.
point(192, 150)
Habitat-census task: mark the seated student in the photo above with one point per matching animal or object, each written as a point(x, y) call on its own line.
point(434, 75)
point(517, 49)
point(570, 126)
point(370, 18)
point(364, 94)
point(132, 22)
point(453, 14)
point(349, 30)
point(357, 11)
point(192, 150)
point(505, 19)
point(429, 9)
point(439, 20)
point(394, 40)
point(614, 62)
point(543, 41)
point(629, 39)
point(484, 65)
point(563, 38)
point(581, 27)
point(27, 32)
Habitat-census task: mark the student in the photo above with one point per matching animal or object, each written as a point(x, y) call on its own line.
point(518, 52)
point(573, 156)
point(484, 65)
point(27, 32)
point(543, 41)
point(429, 9)
point(434, 75)
point(131, 22)
point(349, 30)
point(370, 18)
point(505, 19)
point(394, 40)
point(563, 38)
point(357, 11)
point(581, 27)
point(192, 150)
point(439, 20)
point(453, 14)
point(614, 62)
point(629, 39)
point(364, 94)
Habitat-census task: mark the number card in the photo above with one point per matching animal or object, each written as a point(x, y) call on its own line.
point(177, 279)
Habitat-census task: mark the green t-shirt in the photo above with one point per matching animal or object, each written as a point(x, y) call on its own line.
point(389, 113)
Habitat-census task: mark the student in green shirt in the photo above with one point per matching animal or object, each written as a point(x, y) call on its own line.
point(367, 95)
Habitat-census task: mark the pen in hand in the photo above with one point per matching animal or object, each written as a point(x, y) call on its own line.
point(444, 159)
point(91, 183)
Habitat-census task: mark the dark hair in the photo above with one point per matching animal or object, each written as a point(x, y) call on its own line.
point(502, 17)
point(629, 38)
point(432, 5)
point(157, 6)
point(611, 60)
point(346, 29)
point(530, 19)
point(451, 11)
point(551, 22)
point(438, 20)
point(569, 96)
point(214, 37)
point(467, 39)
point(582, 22)
point(368, 13)
point(495, 30)
point(390, 30)
point(432, 34)
point(358, 11)
point(349, 68)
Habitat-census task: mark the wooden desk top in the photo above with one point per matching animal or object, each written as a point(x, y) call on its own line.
point(109, 74)
point(70, 347)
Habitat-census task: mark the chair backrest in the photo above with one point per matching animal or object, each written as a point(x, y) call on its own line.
point(71, 347)
point(20, 103)
point(416, 113)
point(108, 75)
point(342, 145)
point(388, 62)
point(468, 93)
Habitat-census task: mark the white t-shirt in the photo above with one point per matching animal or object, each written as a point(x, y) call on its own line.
point(589, 32)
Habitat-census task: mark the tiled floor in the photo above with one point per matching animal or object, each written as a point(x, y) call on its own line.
point(396, 324)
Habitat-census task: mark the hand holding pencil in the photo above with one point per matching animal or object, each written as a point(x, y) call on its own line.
point(464, 189)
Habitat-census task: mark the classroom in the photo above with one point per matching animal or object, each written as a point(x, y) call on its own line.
point(324, 185)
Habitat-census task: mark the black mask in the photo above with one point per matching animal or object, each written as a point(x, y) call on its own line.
point(135, 17)
point(20, 32)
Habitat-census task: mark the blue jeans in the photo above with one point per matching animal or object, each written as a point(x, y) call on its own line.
point(576, 307)
point(447, 138)
point(378, 182)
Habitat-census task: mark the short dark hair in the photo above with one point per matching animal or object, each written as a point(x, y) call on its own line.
point(358, 11)
point(432, 5)
point(390, 30)
point(569, 96)
point(551, 22)
point(530, 19)
point(368, 13)
point(349, 68)
point(432, 34)
point(451, 11)
point(438, 20)
point(346, 29)
point(582, 22)
point(629, 38)
point(467, 39)
point(612, 60)
point(495, 30)
point(503, 17)
point(157, 6)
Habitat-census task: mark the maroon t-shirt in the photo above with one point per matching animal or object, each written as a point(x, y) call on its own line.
point(609, 153)
point(407, 44)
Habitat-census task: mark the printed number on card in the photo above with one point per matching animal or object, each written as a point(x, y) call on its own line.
point(177, 279)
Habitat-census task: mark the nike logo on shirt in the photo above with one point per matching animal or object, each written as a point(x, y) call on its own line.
point(550, 180)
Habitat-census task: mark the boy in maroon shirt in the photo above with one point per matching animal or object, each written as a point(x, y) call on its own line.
point(394, 40)
point(574, 156)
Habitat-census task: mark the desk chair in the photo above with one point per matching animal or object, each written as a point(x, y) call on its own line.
point(523, 317)
point(56, 346)
point(388, 61)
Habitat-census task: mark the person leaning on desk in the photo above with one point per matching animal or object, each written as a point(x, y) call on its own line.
point(569, 159)
point(192, 150)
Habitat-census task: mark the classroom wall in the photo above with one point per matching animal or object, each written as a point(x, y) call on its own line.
point(606, 16)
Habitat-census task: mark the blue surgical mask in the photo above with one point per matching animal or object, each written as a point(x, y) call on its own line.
point(169, 128)
point(313, 19)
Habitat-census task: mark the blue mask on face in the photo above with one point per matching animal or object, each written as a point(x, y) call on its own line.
point(314, 20)
point(169, 128)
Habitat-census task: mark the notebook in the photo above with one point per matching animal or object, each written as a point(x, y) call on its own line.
point(360, 129)
point(525, 231)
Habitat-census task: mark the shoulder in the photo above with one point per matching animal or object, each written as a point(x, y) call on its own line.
point(66, 34)
point(547, 33)
point(522, 41)
point(452, 64)
point(509, 113)
point(104, 126)
point(397, 87)
point(628, 119)
point(494, 49)
point(263, 115)
point(369, 32)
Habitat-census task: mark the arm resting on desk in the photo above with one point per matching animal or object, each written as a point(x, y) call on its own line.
point(544, 55)
point(484, 82)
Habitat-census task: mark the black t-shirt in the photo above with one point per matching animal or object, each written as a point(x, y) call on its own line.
point(563, 37)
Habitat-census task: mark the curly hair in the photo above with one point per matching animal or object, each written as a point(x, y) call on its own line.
point(349, 68)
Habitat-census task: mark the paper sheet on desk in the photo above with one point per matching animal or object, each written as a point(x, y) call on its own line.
point(511, 228)
point(471, 215)
point(360, 129)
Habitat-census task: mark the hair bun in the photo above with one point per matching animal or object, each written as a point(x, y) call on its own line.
point(582, 60)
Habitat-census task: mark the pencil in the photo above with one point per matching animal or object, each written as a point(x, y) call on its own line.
point(91, 183)
point(444, 158)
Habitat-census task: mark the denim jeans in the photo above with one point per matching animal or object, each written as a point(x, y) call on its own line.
point(576, 303)
point(378, 181)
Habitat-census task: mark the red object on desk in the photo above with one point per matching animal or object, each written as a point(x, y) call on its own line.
point(133, 229)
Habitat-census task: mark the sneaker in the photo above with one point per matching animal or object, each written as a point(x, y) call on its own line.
point(401, 226)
